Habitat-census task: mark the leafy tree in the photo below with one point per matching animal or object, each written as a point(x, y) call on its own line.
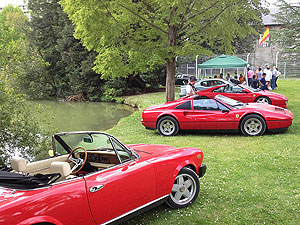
point(20, 133)
point(69, 69)
point(135, 36)
point(289, 35)
point(11, 38)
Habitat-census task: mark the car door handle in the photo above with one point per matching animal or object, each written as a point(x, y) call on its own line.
point(96, 188)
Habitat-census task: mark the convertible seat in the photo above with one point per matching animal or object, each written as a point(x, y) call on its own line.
point(18, 164)
point(63, 168)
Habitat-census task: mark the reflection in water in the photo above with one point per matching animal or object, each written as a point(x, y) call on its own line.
point(77, 116)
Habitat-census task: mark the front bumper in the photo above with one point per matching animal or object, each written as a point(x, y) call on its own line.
point(202, 170)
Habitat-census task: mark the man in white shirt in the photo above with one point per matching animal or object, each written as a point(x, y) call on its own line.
point(268, 72)
point(190, 88)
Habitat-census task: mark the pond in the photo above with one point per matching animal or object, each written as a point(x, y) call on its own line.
point(79, 116)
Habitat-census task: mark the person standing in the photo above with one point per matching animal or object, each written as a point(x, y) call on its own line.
point(259, 73)
point(228, 77)
point(190, 88)
point(275, 75)
point(268, 78)
point(250, 74)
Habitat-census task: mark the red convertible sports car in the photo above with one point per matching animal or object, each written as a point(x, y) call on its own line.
point(245, 94)
point(220, 113)
point(94, 179)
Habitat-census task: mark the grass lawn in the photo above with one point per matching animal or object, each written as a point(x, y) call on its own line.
point(250, 180)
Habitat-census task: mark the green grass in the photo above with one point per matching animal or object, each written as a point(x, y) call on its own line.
point(250, 180)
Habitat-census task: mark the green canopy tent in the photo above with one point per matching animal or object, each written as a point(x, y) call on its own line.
point(225, 61)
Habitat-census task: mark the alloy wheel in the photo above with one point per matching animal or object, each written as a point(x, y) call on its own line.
point(253, 126)
point(167, 127)
point(183, 190)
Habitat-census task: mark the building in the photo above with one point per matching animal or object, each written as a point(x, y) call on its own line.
point(267, 52)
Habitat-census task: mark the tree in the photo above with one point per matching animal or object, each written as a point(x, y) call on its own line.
point(289, 35)
point(69, 69)
point(135, 36)
point(20, 133)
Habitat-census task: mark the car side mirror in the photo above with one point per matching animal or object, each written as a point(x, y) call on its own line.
point(245, 90)
point(225, 110)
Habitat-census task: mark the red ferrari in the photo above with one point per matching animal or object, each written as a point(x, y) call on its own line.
point(220, 113)
point(246, 94)
point(94, 179)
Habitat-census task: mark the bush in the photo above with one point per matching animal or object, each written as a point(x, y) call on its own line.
point(20, 133)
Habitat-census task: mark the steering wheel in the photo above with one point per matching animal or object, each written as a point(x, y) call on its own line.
point(78, 163)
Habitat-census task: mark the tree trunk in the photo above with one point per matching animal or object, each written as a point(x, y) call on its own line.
point(170, 79)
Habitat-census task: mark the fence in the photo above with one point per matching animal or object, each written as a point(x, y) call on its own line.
point(287, 63)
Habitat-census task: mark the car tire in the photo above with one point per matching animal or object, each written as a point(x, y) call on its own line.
point(263, 99)
point(167, 126)
point(185, 189)
point(253, 125)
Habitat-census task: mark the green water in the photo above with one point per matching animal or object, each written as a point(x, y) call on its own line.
point(78, 116)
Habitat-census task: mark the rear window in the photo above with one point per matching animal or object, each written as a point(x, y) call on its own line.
point(185, 105)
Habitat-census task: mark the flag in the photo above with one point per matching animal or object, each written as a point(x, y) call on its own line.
point(266, 35)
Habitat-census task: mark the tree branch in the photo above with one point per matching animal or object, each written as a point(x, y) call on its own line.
point(291, 7)
point(109, 12)
point(209, 22)
point(199, 13)
point(151, 24)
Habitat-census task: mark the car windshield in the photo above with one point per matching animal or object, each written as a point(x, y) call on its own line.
point(249, 88)
point(231, 102)
point(64, 143)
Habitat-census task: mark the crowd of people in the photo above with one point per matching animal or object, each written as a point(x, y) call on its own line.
point(263, 79)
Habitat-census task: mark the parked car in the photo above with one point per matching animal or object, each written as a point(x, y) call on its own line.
point(220, 113)
point(205, 84)
point(182, 78)
point(246, 94)
point(93, 178)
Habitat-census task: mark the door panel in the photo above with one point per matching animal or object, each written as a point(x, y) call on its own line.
point(214, 120)
point(208, 115)
point(121, 189)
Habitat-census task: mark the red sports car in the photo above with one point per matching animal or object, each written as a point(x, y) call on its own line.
point(93, 178)
point(220, 113)
point(246, 94)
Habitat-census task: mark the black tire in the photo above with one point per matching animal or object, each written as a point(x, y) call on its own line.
point(263, 99)
point(167, 126)
point(253, 125)
point(177, 201)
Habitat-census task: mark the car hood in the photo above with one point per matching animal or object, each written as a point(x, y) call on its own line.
point(147, 150)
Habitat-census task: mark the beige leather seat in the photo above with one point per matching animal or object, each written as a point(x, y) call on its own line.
point(18, 164)
point(63, 168)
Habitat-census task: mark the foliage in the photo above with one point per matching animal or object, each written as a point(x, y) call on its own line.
point(20, 62)
point(113, 89)
point(289, 17)
point(20, 133)
point(134, 37)
point(69, 69)
point(249, 180)
point(156, 77)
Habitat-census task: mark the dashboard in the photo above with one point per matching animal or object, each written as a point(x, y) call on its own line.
point(102, 157)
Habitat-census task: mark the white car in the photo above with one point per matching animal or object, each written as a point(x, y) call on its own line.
point(207, 83)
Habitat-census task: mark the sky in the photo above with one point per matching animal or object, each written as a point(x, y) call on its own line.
point(21, 2)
